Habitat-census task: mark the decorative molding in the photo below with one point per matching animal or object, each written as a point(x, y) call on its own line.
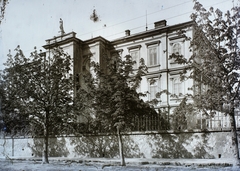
point(154, 66)
point(172, 62)
point(176, 37)
point(175, 73)
point(117, 51)
point(155, 75)
point(120, 50)
point(178, 42)
point(134, 47)
point(153, 43)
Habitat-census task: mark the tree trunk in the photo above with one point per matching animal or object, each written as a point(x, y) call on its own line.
point(45, 140)
point(120, 143)
point(45, 150)
point(234, 133)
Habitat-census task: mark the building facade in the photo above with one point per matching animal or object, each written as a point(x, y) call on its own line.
point(154, 46)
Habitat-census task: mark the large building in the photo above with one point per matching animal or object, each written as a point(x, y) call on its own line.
point(199, 136)
point(154, 46)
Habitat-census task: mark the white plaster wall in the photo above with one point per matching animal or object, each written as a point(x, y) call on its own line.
point(22, 147)
point(5, 147)
point(208, 145)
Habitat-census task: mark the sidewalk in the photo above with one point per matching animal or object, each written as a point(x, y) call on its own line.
point(135, 161)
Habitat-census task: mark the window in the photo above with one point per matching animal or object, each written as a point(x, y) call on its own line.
point(135, 57)
point(177, 49)
point(201, 121)
point(177, 86)
point(153, 88)
point(200, 88)
point(134, 52)
point(114, 59)
point(153, 52)
point(115, 56)
point(152, 56)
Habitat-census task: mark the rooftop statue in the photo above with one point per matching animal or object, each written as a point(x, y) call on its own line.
point(61, 27)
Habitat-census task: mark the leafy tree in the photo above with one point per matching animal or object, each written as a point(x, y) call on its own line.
point(116, 101)
point(180, 116)
point(40, 88)
point(83, 110)
point(2, 98)
point(10, 102)
point(215, 62)
point(3, 4)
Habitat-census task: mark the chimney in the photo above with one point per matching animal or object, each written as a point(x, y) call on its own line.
point(127, 32)
point(160, 24)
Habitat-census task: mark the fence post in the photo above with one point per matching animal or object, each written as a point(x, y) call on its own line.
point(12, 147)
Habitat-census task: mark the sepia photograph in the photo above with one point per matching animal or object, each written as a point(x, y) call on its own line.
point(119, 85)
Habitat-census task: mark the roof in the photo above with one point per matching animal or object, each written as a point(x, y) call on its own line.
point(152, 32)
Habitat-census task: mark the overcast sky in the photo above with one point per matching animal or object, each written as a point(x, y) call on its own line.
point(29, 23)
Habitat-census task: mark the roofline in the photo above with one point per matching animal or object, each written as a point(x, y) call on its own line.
point(96, 39)
point(70, 37)
point(152, 32)
point(61, 40)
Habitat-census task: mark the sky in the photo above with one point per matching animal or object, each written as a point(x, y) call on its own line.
point(29, 23)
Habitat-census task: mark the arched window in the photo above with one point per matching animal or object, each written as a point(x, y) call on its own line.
point(177, 49)
point(153, 88)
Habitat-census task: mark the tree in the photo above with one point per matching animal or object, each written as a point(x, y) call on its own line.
point(116, 102)
point(10, 102)
point(40, 89)
point(3, 4)
point(2, 98)
point(215, 62)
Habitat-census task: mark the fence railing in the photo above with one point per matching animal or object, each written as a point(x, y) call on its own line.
point(156, 122)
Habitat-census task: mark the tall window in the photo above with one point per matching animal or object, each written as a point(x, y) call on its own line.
point(134, 52)
point(135, 57)
point(153, 88)
point(176, 49)
point(152, 56)
point(177, 86)
point(113, 62)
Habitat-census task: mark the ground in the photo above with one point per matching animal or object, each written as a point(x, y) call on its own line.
point(93, 165)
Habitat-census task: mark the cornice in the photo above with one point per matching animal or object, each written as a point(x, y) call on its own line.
point(134, 47)
point(54, 42)
point(177, 69)
point(153, 43)
point(152, 32)
point(96, 39)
